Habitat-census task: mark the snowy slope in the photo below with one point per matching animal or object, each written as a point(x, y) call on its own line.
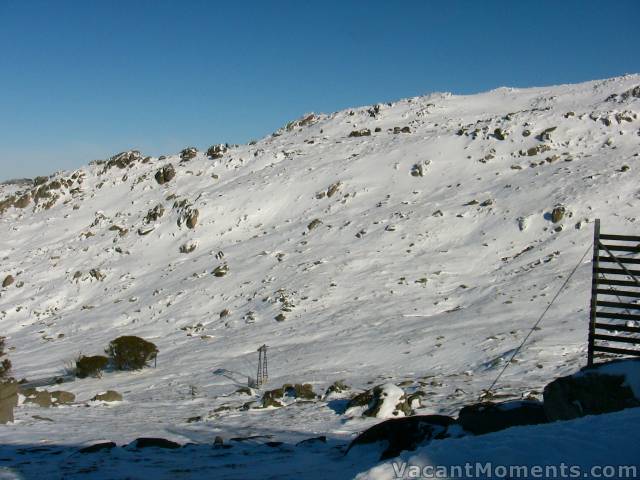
point(430, 279)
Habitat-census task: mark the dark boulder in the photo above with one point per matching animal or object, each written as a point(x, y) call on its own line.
point(217, 151)
point(154, 442)
point(405, 433)
point(491, 417)
point(165, 174)
point(600, 389)
point(188, 153)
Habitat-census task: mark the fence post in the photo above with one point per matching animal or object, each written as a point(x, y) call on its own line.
point(594, 294)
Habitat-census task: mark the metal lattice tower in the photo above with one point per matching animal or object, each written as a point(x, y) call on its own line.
point(263, 372)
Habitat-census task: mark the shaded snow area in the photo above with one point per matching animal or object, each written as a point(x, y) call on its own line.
point(410, 244)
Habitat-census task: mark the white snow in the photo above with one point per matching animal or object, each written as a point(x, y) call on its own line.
point(432, 280)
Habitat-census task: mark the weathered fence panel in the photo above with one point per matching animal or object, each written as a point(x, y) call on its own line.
point(621, 320)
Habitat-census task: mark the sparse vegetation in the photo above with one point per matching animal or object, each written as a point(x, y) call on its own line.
point(91, 366)
point(5, 364)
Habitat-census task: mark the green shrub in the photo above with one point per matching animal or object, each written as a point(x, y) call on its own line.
point(91, 366)
point(131, 353)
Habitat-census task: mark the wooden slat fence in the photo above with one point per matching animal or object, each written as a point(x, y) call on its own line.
point(619, 324)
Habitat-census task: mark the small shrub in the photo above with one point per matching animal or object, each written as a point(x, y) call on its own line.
point(131, 352)
point(5, 368)
point(5, 365)
point(91, 366)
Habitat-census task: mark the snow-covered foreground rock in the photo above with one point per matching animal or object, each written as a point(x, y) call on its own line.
point(417, 251)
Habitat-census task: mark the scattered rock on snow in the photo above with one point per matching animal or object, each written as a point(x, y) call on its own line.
point(217, 151)
point(188, 153)
point(108, 396)
point(557, 213)
point(314, 223)
point(364, 132)
point(165, 174)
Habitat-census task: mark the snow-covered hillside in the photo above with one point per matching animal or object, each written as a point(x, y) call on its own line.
point(419, 252)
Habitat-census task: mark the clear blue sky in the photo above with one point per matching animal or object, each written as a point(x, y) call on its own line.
point(81, 80)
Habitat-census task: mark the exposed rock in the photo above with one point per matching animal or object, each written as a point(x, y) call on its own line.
point(280, 317)
point(60, 397)
point(492, 417)
point(522, 223)
point(557, 213)
point(221, 271)
point(108, 396)
point(336, 387)
point(417, 170)
point(187, 214)
point(500, 134)
point(364, 132)
point(400, 434)
point(23, 201)
point(279, 396)
point(97, 274)
point(154, 214)
point(121, 230)
point(42, 399)
point(8, 280)
point(188, 153)
point(601, 389)
point(123, 159)
point(331, 191)
point(535, 150)
point(382, 401)
point(192, 218)
point(631, 93)
point(308, 119)
point(165, 174)
point(188, 247)
point(314, 223)
point(397, 130)
point(217, 151)
point(546, 134)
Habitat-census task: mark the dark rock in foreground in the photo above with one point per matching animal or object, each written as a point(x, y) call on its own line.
point(405, 433)
point(491, 417)
point(154, 442)
point(600, 389)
